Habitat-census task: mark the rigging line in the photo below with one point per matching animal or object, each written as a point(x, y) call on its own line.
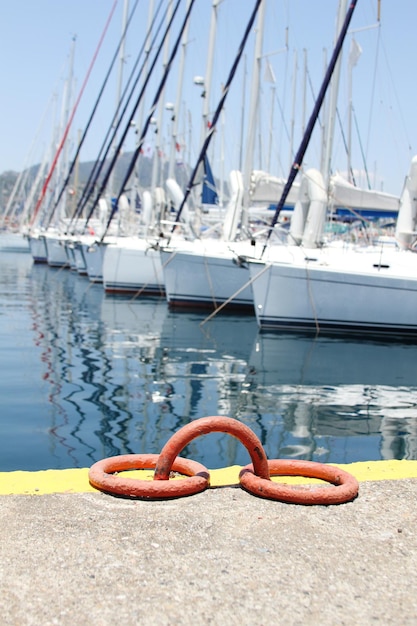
point(365, 167)
point(320, 121)
point(310, 297)
point(136, 104)
point(312, 121)
point(90, 120)
point(373, 89)
point(233, 296)
point(153, 107)
point(283, 128)
point(115, 123)
point(216, 115)
point(210, 282)
point(21, 178)
point(398, 106)
point(74, 109)
point(284, 94)
point(342, 132)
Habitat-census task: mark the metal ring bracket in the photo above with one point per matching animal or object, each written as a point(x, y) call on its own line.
point(345, 486)
point(102, 476)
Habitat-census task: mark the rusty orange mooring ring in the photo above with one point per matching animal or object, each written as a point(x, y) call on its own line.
point(255, 477)
point(345, 487)
point(101, 476)
point(203, 426)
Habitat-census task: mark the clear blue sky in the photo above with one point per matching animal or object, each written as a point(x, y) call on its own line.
point(35, 42)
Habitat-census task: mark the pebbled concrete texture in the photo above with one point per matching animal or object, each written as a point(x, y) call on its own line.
point(220, 557)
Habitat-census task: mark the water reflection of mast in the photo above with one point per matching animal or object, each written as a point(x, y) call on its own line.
point(399, 432)
point(88, 336)
point(185, 373)
point(133, 338)
point(206, 368)
point(46, 338)
point(330, 392)
point(74, 349)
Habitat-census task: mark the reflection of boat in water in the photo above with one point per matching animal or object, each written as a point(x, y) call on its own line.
point(328, 390)
point(206, 367)
point(122, 375)
point(74, 369)
point(305, 360)
point(111, 376)
point(146, 319)
point(13, 242)
point(181, 370)
point(141, 320)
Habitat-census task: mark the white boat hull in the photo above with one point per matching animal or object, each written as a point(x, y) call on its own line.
point(131, 266)
point(13, 242)
point(337, 291)
point(206, 275)
point(93, 253)
point(79, 260)
point(69, 251)
point(38, 248)
point(55, 250)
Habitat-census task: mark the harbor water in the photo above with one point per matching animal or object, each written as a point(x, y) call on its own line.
point(85, 375)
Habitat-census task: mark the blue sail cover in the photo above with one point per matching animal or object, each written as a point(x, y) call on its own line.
point(209, 194)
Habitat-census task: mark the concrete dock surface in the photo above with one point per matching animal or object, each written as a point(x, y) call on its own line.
point(220, 557)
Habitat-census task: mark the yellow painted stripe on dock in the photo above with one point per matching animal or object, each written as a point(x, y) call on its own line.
point(76, 480)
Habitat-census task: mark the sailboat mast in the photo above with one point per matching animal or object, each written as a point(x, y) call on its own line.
point(176, 112)
point(217, 112)
point(333, 102)
point(122, 54)
point(313, 118)
point(63, 140)
point(152, 108)
point(209, 70)
point(294, 99)
point(62, 164)
point(157, 154)
point(253, 112)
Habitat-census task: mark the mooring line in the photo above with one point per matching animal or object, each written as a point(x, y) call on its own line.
point(249, 282)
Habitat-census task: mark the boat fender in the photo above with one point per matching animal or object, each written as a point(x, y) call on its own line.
point(176, 195)
point(146, 208)
point(234, 206)
point(123, 204)
point(407, 214)
point(316, 216)
point(299, 216)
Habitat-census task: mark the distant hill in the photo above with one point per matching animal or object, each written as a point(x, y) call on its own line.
point(144, 170)
point(7, 182)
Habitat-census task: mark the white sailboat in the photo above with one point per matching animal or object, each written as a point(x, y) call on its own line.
point(131, 263)
point(341, 287)
point(338, 287)
point(201, 273)
point(135, 265)
point(208, 272)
